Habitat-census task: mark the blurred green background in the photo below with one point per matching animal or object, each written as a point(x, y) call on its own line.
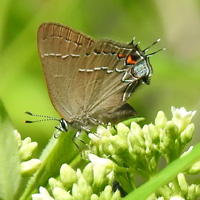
point(176, 78)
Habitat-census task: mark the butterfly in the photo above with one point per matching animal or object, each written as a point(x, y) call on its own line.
point(89, 81)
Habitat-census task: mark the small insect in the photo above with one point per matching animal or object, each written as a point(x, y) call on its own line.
point(89, 81)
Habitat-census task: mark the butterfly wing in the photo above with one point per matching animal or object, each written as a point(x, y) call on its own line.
point(79, 95)
point(103, 86)
point(59, 48)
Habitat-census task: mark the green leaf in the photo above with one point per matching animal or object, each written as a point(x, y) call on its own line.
point(58, 151)
point(9, 158)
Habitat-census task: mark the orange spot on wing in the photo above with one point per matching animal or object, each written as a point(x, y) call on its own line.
point(130, 60)
point(120, 55)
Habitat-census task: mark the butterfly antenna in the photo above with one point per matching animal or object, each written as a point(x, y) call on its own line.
point(47, 118)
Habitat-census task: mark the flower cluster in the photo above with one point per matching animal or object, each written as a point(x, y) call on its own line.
point(141, 148)
point(179, 189)
point(29, 165)
point(118, 154)
point(95, 182)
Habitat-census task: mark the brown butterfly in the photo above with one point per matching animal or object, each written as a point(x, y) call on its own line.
point(88, 80)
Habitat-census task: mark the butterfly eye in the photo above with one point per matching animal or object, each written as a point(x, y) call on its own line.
point(63, 125)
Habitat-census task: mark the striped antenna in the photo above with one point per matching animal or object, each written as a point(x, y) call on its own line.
point(47, 118)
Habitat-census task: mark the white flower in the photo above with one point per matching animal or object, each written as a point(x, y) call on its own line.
point(100, 161)
point(187, 152)
point(28, 168)
point(181, 117)
point(177, 197)
point(43, 195)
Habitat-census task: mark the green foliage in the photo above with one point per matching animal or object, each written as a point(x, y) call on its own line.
point(9, 158)
point(114, 155)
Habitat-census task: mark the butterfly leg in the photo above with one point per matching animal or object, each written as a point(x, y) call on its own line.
point(76, 136)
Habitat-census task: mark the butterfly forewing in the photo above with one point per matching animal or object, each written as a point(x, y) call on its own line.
point(59, 48)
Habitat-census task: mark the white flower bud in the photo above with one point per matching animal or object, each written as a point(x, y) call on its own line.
point(67, 176)
point(43, 195)
point(28, 168)
point(160, 120)
point(181, 117)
